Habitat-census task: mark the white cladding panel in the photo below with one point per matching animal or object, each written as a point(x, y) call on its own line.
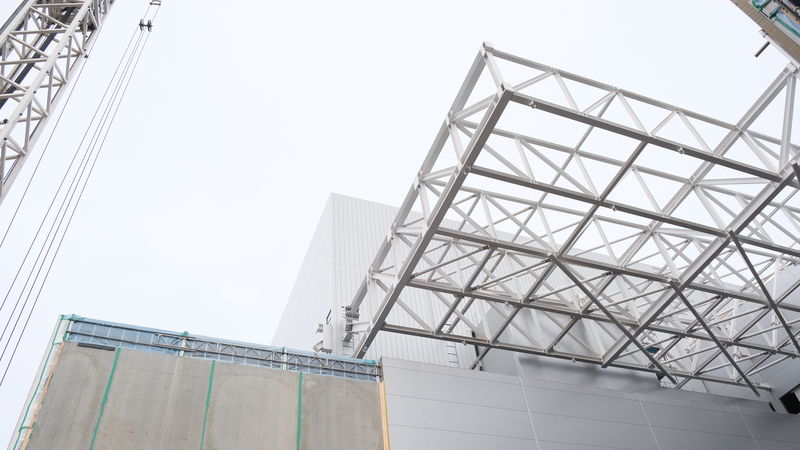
point(449, 408)
point(344, 245)
point(311, 298)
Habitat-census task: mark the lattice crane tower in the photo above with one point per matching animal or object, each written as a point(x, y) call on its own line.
point(42, 46)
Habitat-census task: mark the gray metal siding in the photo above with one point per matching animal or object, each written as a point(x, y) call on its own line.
point(447, 408)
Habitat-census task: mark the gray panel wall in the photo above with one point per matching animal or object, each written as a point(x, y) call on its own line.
point(251, 406)
point(73, 396)
point(340, 414)
point(447, 408)
point(158, 401)
point(155, 401)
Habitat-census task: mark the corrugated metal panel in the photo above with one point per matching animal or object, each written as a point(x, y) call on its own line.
point(310, 299)
point(358, 227)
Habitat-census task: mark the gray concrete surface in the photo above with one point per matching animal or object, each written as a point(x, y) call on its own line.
point(252, 408)
point(339, 414)
point(71, 403)
point(448, 408)
point(155, 401)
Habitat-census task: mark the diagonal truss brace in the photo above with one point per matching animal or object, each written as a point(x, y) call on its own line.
point(479, 228)
point(42, 47)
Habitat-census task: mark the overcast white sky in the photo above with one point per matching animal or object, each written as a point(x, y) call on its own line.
point(243, 117)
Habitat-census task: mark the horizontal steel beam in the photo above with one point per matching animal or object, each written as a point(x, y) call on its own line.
point(549, 307)
point(469, 340)
point(478, 225)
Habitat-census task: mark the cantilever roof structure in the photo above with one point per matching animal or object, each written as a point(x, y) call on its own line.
point(559, 216)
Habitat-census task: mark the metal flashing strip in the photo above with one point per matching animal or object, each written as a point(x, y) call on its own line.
point(208, 402)
point(560, 216)
point(105, 397)
point(299, 408)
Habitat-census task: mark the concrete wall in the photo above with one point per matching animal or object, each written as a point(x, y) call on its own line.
point(448, 408)
point(154, 401)
point(72, 399)
point(157, 401)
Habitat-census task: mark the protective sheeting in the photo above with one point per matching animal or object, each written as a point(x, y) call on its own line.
point(72, 399)
point(127, 399)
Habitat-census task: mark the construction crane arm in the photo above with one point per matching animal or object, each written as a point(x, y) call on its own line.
point(42, 46)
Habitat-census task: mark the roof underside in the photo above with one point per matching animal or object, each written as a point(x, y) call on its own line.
point(598, 225)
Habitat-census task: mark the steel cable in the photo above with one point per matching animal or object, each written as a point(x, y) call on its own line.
point(67, 172)
point(43, 152)
point(64, 207)
point(77, 185)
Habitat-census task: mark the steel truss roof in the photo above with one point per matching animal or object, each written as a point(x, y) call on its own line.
point(564, 217)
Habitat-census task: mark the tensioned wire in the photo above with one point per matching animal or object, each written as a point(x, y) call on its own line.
point(89, 160)
point(66, 173)
point(47, 144)
point(64, 206)
point(76, 176)
point(39, 385)
point(58, 246)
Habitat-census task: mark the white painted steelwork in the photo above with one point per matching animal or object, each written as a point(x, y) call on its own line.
point(556, 215)
point(41, 47)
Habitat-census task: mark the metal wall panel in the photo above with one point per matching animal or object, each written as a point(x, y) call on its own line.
point(575, 430)
point(672, 439)
point(769, 427)
point(448, 408)
point(405, 437)
point(692, 418)
point(620, 407)
point(310, 299)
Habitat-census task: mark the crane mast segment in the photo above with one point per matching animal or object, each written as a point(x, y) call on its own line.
point(42, 46)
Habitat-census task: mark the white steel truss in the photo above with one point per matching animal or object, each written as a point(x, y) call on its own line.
point(595, 224)
point(42, 46)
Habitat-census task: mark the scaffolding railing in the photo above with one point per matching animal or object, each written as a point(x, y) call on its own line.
point(110, 334)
